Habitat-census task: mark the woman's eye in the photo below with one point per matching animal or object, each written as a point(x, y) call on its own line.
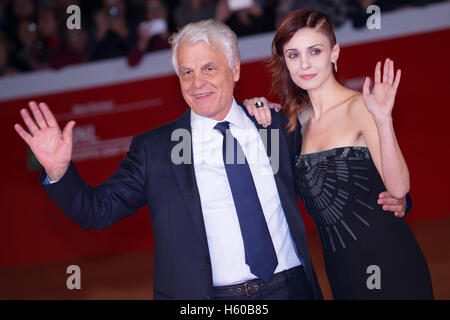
point(316, 51)
point(292, 55)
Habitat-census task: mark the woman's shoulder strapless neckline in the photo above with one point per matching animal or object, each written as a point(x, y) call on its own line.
point(358, 152)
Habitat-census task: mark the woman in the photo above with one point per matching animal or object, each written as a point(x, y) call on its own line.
point(349, 154)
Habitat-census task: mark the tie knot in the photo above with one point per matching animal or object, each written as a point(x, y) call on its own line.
point(222, 127)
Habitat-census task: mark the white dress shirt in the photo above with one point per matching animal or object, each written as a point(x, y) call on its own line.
point(225, 242)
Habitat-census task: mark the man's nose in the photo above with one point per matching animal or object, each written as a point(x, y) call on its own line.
point(199, 80)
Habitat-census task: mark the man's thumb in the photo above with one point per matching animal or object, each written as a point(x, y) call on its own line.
point(68, 130)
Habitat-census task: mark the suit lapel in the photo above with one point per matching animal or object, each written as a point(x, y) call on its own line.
point(185, 176)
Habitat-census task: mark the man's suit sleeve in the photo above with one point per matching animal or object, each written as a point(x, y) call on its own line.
point(100, 207)
point(408, 204)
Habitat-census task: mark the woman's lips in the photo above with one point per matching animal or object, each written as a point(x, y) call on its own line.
point(308, 76)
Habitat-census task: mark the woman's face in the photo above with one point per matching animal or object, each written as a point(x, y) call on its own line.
point(308, 55)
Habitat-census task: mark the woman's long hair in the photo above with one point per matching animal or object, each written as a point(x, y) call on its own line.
point(293, 98)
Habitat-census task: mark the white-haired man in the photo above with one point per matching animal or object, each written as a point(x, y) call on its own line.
point(222, 229)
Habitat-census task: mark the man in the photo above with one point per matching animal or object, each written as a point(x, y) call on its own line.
point(222, 230)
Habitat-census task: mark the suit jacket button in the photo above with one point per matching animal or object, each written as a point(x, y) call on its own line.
point(207, 297)
point(208, 261)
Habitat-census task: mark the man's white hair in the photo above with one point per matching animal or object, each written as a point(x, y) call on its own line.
point(211, 31)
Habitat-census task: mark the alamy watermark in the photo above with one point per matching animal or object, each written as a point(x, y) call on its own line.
point(74, 20)
point(374, 280)
point(74, 280)
point(374, 21)
point(182, 152)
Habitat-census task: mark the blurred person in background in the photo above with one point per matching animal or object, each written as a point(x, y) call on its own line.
point(246, 17)
point(5, 66)
point(113, 38)
point(25, 51)
point(23, 9)
point(337, 10)
point(3, 15)
point(48, 35)
point(74, 49)
point(194, 10)
point(152, 33)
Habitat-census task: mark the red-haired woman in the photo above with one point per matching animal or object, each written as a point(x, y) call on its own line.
point(349, 154)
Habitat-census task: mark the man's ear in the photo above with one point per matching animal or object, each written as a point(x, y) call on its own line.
point(236, 71)
point(335, 52)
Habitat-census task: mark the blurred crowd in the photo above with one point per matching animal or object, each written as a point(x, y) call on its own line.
point(34, 34)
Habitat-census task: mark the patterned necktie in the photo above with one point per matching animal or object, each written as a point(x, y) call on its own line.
point(260, 254)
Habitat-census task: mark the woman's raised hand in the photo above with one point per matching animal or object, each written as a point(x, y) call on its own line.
point(381, 101)
point(262, 114)
point(51, 147)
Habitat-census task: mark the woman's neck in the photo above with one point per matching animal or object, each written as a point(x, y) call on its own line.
point(326, 97)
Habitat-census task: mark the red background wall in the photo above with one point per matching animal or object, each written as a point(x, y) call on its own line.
point(33, 229)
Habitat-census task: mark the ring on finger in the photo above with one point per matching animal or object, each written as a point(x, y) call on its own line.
point(259, 104)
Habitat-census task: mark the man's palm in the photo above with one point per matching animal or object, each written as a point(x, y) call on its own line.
point(51, 147)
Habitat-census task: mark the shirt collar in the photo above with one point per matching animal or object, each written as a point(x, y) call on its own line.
point(235, 117)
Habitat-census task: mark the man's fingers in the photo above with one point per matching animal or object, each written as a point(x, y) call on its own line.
point(37, 115)
point(389, 201)
point(48, 115)
point(392, 208)
point(32, 127)
point(399, 214)
point(68, 130)
point(22, 133)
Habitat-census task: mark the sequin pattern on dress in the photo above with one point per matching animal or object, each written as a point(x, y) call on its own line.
point(323, 179)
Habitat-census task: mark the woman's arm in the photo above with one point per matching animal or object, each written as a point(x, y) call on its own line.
point(262, 115)
point(379, 133)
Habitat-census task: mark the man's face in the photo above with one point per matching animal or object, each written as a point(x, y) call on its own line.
point(206, 79)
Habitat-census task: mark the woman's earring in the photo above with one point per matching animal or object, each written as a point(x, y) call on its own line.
point(335, 66)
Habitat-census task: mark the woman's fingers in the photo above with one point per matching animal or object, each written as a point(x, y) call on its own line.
point(262, 114)
point(397, 79)
point(275, 106)
point(366, 87)
point(250, 105)
point(391, 72)
point(266, 111)
point(377, 76)
point(386, 70)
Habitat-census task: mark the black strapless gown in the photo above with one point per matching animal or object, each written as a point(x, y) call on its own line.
point(369, 253)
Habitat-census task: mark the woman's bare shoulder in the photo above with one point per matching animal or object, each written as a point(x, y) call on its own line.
point(356, 106)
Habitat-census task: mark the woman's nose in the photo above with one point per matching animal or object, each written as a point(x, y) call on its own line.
point(305, 63)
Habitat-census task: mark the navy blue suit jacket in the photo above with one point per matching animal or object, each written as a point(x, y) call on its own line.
point(147, 175)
